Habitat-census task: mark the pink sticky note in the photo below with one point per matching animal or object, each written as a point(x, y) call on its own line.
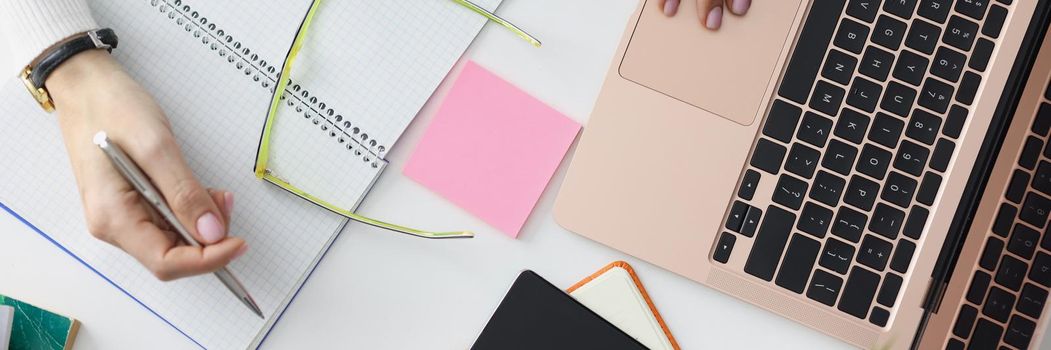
point(491, 149)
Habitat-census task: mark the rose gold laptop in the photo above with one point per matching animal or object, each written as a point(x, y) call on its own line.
point(876, 170)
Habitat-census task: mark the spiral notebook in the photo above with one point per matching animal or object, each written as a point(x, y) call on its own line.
point(212, 65)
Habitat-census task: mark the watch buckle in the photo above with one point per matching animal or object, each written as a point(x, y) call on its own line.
point(94, 35)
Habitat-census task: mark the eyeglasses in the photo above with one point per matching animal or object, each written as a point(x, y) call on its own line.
point(263, 156)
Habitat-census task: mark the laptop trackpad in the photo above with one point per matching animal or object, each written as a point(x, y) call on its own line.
point(725, 72)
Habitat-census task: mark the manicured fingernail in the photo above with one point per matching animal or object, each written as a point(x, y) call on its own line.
point(740, 7)
point(715, 18)
point(210, 228)
point(228, 199)
point(240, 251)
point(670, 7)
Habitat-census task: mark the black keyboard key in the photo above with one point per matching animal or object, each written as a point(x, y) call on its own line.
point(864, 10)
point(781, 123)
point(748, 184)
point(1031, 301)
point(839, 157)
point(998, 304)
point(942, 155)
point(886, 221)
point(1041, 272)
point(948, 64)
point(898, 99)
point(935, 10)
point(979, 285)
point(1042, 178)
point(986, 334)
point(802, 160)
point(790, 191)
point(965, 321)
point(968, 88)
point(889, 32)
point(874, 161)
point(851, 36)
point(858, 292)
point(910, 67)
point(849, 224)
point(888, 293)
point(1005, 218)
point(814, 219)
point(983, 52)
point(864, 94)
point(954, 121)
point(900, 8)
point(902, 256)
point(815, 129)
point(995, 22)
point(991, 254)
point(751, 221)
point(879, 316)
point(886, 130)
point(936, 95)
point(861, 193)
point(768, 156)
point(1024, 241)
point(874, 252)
point(972, 8)
point(915, 223)
point(911, 158)
point(1011, 273)
point(899, 189)
point(769, 243)
point(839, 67)
point(810, 48)
point(876, 63)
point(1017, 186)
point(1043, 119)
point(724, 247)
point(824, 287)
point(737, 212)
point(1019, 331)
point(851, 125)
point(929, 187)
point(923, 127)
point(798, 263)
point(827, 98)
point(836, 256)
point(923, 37)
point(1034, 209)
point(827, 188)
point(960, 33)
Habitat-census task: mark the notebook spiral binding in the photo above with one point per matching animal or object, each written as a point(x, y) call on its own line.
point(313, 109)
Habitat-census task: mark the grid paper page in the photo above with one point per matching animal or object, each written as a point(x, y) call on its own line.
point(365, 70)
point(216, 113)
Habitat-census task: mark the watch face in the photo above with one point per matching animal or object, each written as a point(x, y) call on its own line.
point(39, 93)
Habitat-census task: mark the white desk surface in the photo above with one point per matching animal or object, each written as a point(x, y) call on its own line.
point(377, 290)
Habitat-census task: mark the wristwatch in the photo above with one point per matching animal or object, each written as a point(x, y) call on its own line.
point(36, 73)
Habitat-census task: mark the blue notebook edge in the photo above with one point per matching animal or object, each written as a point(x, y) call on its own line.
point(324, 253)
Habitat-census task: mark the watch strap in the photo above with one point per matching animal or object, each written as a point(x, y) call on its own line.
point(60, 52)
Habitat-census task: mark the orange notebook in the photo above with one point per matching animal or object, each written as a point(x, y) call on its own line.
point(616, 294)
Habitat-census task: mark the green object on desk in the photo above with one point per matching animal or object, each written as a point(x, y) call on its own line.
point(38, 329)
point(493, 17)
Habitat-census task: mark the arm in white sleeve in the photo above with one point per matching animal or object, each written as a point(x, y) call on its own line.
point(31, 26)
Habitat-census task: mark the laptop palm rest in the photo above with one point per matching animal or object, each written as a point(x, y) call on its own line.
point(726, 73)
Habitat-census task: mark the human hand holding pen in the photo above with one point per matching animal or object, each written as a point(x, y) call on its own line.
point(92, 92)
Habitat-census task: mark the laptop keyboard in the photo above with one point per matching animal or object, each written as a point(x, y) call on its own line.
point(857, 142)
point(1007, 293)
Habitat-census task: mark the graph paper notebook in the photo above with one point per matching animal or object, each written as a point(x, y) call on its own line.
point(211, 66)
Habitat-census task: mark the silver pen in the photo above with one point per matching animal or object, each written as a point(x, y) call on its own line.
point(142, 184)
